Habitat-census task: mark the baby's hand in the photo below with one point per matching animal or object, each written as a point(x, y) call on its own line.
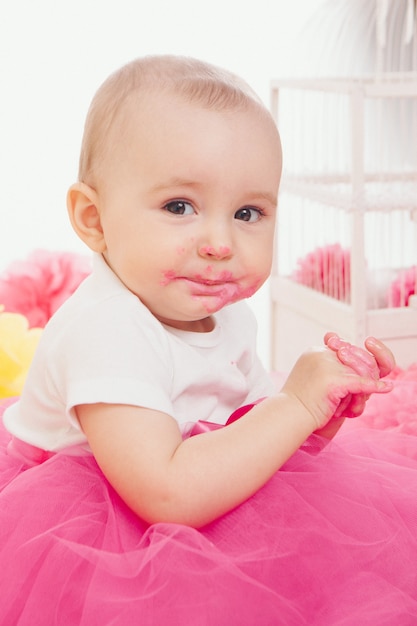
point(377, 359)
point(375, 362)
point(327, 387)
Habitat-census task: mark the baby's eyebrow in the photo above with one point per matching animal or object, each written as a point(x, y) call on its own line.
point(256, 196)
point(269, 197)
point(174, 182)
point(185, 182)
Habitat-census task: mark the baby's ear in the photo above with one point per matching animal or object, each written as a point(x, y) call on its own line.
point(83, 210)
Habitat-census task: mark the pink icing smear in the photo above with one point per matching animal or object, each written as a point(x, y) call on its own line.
point(169, 276)
point(215, 290)
point(217, 295)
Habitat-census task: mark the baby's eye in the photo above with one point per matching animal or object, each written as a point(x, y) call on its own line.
point(179, 207)
point(248, 214)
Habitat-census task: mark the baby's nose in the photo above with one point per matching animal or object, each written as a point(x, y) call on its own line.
point(215, 252)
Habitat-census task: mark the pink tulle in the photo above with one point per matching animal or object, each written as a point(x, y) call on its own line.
point(330, 540)
point(37, 286)
point(402, 401)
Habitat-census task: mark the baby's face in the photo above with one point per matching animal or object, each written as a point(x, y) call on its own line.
point(188, 207)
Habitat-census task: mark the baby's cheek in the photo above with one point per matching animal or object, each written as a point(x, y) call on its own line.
point(168, 276)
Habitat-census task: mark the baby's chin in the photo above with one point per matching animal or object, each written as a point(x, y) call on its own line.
point(228, 296)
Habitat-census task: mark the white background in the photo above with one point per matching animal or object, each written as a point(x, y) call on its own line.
point(53, 56)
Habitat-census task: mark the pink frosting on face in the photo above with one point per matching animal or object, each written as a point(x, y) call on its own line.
point(169, 276)
point(214, 290)
point(216, 294)
point(220, 296)
point(208, 277)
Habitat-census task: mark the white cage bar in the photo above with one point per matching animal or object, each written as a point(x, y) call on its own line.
point(348, 204)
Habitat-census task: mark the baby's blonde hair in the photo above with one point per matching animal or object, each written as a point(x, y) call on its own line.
point(197, 81)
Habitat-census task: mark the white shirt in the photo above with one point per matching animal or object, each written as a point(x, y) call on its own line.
point(104, 345)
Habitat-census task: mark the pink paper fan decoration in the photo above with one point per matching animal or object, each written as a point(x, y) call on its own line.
point(403, 287)
point(36, 287)
point(326, 269)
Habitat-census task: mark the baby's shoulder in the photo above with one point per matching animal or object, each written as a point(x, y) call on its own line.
point(92, 316)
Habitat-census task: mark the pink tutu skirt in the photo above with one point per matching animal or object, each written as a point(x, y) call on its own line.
point(330, 540)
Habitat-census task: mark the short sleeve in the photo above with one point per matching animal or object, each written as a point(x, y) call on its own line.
point(119, 357)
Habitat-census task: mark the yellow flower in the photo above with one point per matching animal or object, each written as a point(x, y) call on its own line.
point(18, 343)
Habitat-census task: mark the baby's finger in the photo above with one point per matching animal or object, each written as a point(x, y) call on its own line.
point(368, 386)
point(383, 355)
point(355, 407)
point(359, 360)
point(355, 357)
point(341, 409)
point(333, 341)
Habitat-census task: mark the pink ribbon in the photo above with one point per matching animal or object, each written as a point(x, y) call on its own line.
point(203, 426)
point(30, 455)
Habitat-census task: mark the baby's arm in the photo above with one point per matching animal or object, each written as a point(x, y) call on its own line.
point(163, 478)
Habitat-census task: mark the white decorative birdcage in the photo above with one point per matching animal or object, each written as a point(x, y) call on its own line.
point(346, 241)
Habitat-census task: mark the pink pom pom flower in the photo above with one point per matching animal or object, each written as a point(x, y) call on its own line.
point(36, 287)
point(403, 287)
